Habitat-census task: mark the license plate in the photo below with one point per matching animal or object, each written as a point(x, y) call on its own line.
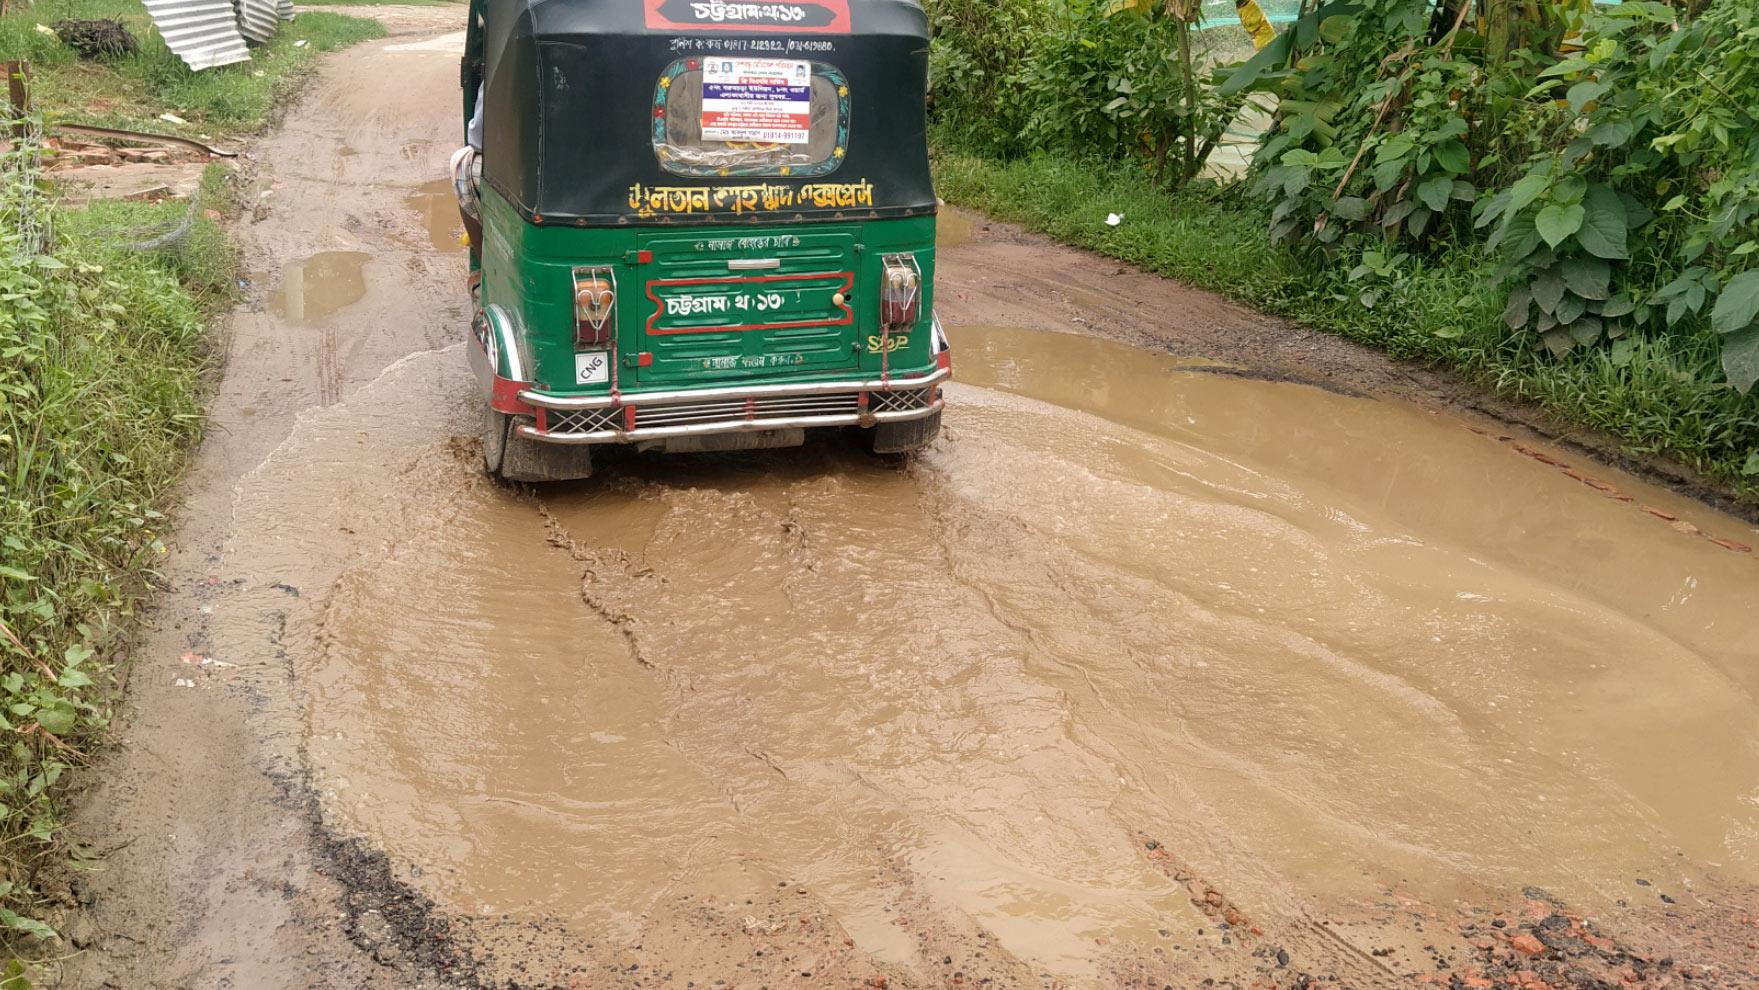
point(592, 368)
point(749, 302)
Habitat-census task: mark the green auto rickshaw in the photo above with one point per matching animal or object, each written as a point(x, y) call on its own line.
point(698, 225)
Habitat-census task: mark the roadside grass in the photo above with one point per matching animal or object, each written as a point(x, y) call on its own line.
point(101, 398)
point(105, 356)
point(132, 92)
point(1668, 399)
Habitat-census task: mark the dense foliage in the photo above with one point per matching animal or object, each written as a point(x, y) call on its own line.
point(1589, 173)
point(1102, 78)
point(1605, 157)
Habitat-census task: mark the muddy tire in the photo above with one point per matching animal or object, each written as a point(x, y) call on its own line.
point(509, 457)
point(903, 438)
point(496, 425)
point(534, 461)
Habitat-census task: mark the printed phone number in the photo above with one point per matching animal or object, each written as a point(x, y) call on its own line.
point(753, 361)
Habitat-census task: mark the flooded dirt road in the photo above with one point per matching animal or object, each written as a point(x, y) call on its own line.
point(1159, 667)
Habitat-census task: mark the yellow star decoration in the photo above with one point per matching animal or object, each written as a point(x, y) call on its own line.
point(842, 91)
point(786, 170)
point(722, 171)
point(666, 83)
point(838, 152)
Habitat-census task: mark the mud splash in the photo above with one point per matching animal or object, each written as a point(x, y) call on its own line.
point(321, 284)
point(1317, 647)
point(952, 227)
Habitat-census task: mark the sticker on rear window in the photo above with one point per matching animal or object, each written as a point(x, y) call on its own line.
point(765, 100)
point(795, 17)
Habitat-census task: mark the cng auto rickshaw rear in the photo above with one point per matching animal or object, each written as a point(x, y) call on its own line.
point(703, 226)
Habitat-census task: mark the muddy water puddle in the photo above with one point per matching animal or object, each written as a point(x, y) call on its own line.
point(1310, 645)
point(438, 205)
point(314, 287)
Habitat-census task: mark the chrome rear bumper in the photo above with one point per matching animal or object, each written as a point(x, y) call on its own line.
point(638, 416)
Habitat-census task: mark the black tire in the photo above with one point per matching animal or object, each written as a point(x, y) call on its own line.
point(496, 425)
point(906, 437)
point(509, 458)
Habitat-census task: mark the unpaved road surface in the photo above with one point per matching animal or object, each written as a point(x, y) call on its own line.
point(1198, 648)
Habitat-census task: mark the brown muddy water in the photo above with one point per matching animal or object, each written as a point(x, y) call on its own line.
point(314, 287)
point(438, 205)
point(1318, 646)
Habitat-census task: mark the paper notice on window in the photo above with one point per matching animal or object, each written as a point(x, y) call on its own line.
point(763, 100)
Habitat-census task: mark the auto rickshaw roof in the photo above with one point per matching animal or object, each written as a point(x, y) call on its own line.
point(580, 94)
point(561, 19)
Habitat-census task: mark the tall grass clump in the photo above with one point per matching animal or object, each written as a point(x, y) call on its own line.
point(102, 354)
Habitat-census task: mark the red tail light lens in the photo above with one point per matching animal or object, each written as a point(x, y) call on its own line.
point(900, 291)
point(595, 304)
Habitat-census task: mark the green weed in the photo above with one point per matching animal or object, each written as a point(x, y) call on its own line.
point(102, 355)
point(103, 352)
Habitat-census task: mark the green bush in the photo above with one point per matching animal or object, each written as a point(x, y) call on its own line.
point(1607, 158)
point(1112, 79)
point(1568, 192)
point(101, 356)
point(975, 51)
point(1108, 86)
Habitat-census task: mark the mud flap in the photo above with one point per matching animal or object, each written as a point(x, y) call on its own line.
point(533, 461)
point(902, 438)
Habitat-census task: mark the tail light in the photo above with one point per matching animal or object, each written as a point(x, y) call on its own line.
point(900, 291)
point(595, 304)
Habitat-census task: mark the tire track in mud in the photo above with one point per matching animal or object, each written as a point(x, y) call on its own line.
point(614, 577)
point(1320, 955)
point(617, 583)
point(1302, 951)
point(594, 583)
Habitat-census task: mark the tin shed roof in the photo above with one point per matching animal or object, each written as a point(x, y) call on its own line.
point(258, 19)
point(204, 33)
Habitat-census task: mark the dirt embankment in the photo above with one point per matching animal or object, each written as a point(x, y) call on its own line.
point(1201, 650)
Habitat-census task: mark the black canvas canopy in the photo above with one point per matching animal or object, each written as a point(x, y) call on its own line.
point(576, 95)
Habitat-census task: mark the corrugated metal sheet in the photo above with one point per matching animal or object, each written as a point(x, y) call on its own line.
point(204, 33)
point(258, 19)
point(284, 10)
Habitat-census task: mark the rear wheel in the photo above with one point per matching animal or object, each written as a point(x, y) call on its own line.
point(495, 426)
point(509, 457)
point(905, 437)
